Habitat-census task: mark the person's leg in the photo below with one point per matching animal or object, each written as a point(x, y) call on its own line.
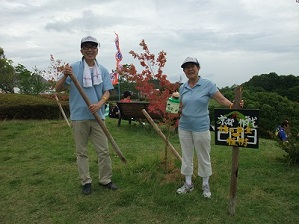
point(202, 142)
point(187, 147)
point(81, 134)
point(100, 143)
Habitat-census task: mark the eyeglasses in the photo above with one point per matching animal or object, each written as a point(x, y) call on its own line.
point(87, 47)
point(189, 65)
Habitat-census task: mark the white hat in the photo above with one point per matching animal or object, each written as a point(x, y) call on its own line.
point(190, 60)
point(89, 39)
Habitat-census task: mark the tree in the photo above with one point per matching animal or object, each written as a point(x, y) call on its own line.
point(54, 71)
point(153, 85)
point(293, 93)
point(30, 82)
point(39, 84)
point(122, 86)
point(24, 81)
point(284, 85)
point(151, 82)
point(7, 74)
point(273, 109)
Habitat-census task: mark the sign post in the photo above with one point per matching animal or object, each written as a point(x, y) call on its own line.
point(237, 128)
point(235, 161)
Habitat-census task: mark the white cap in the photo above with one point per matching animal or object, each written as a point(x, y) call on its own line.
point(190, 60)
point(176, 95)
point(89, 39)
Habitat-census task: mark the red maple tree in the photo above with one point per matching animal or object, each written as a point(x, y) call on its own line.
point(151, 82)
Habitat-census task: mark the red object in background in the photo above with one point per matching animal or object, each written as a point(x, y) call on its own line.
point(114, 78)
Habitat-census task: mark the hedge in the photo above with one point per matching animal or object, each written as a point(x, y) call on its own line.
point(21, 106)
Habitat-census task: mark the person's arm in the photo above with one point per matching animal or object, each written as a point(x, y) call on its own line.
point(107, 86)
point(180, 108)
point(93, 108)
point(222, 100)
point(60, 84)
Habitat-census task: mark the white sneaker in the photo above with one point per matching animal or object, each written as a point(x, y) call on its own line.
point(206, 191)
point(186, 188)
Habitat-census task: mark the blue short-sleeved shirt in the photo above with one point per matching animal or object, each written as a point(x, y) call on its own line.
point(78, 107)
point(195, 102)
point(282, 135)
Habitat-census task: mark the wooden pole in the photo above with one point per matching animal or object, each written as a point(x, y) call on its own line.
point(166, 147)
point(235, 160)
point(158, 130)
point(62, 111)
point(98, 119)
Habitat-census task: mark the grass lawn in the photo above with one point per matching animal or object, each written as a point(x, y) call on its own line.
point(39, 180)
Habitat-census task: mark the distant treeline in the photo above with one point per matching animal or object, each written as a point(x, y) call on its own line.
point(276, 96)
point(284, 85)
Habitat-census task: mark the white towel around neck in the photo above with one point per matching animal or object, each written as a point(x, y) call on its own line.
point(96, 78)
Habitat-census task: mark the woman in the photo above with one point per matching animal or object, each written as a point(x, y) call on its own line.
point(194, 124)
point(127, 97)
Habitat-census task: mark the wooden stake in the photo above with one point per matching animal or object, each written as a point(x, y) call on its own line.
point(98, 119)
point(235, 160)
point(62, 111)
point(158, 130)
point(166, 147)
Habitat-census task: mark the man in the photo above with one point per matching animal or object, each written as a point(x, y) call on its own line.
point(96, 83)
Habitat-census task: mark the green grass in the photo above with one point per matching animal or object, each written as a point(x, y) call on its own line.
point(39, 180)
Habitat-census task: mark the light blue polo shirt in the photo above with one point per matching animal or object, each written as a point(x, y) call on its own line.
point(195, 102)
point(78, 107)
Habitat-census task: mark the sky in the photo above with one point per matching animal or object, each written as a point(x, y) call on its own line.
point(232, 39)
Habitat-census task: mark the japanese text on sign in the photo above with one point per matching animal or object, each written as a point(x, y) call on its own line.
point(236, 127)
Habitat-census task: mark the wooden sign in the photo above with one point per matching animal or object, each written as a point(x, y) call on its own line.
point(234, 127)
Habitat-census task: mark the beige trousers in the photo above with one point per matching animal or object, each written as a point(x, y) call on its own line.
point(83, 130)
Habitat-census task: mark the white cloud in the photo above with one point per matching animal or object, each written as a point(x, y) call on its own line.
point(233, 39)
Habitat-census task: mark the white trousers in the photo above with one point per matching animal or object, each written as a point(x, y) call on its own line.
point(201, 142)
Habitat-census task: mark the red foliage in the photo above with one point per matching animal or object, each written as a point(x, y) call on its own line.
point(152, 72)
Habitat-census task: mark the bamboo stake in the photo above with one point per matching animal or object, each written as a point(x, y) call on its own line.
point(158, 130)
point(62, 111)
point(98, 119)
point(166, 147)
point(235, 160)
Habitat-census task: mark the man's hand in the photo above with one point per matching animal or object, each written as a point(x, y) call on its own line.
point(93, 108)
point(67, 70)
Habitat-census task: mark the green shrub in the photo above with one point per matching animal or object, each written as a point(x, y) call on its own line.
point(20, 106)
point(292, 149)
